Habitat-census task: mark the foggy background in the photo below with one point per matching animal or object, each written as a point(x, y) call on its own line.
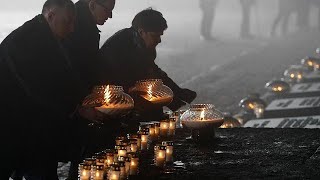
point(182, 54)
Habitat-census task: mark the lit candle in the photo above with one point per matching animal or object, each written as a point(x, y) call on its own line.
point(122, 151)
point(126, 143)
point(169, 151)
point(119, 139)
point(144, 140)
point(100, 160)
point(172, 126)
point(137, 137)
point(258, 110)
point(164, 128)
point(114, 172)
point(156, 128)
point(127, 162)
point(84, 171)
point(97, 172)
point(134, 163)
point(160, 155)
point(109, 158)
point(133, 145)
point(121, 164)
point(116, 151)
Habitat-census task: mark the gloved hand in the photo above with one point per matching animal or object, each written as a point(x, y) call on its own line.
point(186, 95)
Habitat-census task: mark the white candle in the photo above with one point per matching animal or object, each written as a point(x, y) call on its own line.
point(114, 173)
point(97, 172)
point(144, 140)
point(84, 171)
point(160, 155)
point(164, 128)
point(169, 150)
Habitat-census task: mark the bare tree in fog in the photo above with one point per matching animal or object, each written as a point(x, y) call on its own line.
point(246, 6)
point(208, 13)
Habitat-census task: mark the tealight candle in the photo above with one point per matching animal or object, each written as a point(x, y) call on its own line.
point(137, 137)
point(84, 171)
point(172, 126)
point(114, 172)
point(144, 140)
point(134, 163)
point(169, 151)
point(97, 172)
point(160, 155)
point(164, 128)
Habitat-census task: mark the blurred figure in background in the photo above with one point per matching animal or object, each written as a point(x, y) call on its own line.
point(246, 6)
point(285, 9)
point(208, 8)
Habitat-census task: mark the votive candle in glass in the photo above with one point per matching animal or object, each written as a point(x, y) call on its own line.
point(160, 155)
point(84, 171)
point(114, 172)
point(172, 126)
point(164, 128)
point(134, 163)
point(169, 151)
point(97, 172)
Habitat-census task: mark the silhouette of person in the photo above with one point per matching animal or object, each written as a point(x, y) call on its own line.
point(208, 12)
point(285, 9)
point(246, 6)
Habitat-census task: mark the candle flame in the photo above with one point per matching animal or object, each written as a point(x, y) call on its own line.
point(107, 95)
point(202, 115)
point(97, 174)
point(132, 163)
point(161, 155)
point(143, 139)
point(279, 88)
point(299, 76)
point(292, 75)
point(84, 173)
point(150, 91)
point(251, 106)
point(168, 151)
point(310, 63)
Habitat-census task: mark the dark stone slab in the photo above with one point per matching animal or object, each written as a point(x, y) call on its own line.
point(246, 153)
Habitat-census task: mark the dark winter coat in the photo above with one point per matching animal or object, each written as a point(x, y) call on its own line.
point(39, 91)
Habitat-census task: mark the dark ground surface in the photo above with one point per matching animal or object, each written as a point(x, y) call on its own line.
point(246, 153)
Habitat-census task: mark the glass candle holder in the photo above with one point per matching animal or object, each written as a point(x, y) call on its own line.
point(97, 172)
point(114, 172)
point(172, 126)
point(109, 99)
point(126, 143)
point(293, 74)
point(119, 139)
point(100, 160)
point(202, 119)
point(160, 155)
point(154, 91)
point(156, 128)
point(133, 145)
point(121, 164)
point(144, 140)
point(176, 115)
point(109, 158)
point(89, 161)
point(126, 161)
point(122, 150)
point(134, 163)
point(230, 122)
point(169, 151)
point(164, 127)
point(277, 86)
point(259, 110)
point(84, 171)
point(137, 137)
point(248, 103)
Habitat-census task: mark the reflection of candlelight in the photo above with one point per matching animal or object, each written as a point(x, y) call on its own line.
point(84, 171)
point(100, 160)
point(107, 95)
point(169, 151)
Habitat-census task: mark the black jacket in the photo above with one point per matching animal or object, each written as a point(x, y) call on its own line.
point(127, 60)
point(39, 89)
point(83, 45)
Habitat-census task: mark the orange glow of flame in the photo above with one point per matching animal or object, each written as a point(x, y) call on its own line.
point(251, 106)
point(202, 115)
point(310, 63)
point(107, 95)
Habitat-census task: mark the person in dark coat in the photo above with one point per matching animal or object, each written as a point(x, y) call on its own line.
point(39, 94)
point(82, 46)
point(246, 6)
point(130, 54)
point(208, 9)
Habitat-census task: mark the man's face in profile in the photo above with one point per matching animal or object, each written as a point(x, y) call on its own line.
point(151, 39)
point(62, 21)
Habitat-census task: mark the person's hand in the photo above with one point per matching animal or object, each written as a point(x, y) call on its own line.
point(91, 114)
point(187, 95)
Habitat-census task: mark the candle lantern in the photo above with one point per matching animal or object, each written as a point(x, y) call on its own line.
point(84, 171)
point(122, 150)
point(126, 143)
point(127, 162)
point(144, 140)
point(172, 126)
point(137, 137)
point(133, 145)
point(154, 91)
point(119, 139)
point(89, 161)
point(229, 121)
point(202, 119)
point(122, 166)
point(160, 155)
point(169, 151)
point(164, 127)
point(134, 163)
point(97, 172)
point(277, 86)
point(100, 160)
point(109, 99)
point(156, 128)
point(311, 63)
point(109, 158)
point(248, 103)
point(114, 172)
point(294, 74)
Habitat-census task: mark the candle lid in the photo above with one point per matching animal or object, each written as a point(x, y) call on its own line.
point(89, 161)
point(134, 136)
point(120, 163)
point(167, 143)
point(97, 167)
point(132, 155)
point(84, 166)
point(115, 167)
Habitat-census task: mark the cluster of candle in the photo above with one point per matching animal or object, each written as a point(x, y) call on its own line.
point(123, 161)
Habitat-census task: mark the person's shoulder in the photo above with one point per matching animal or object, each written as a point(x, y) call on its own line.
point(121, 38)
